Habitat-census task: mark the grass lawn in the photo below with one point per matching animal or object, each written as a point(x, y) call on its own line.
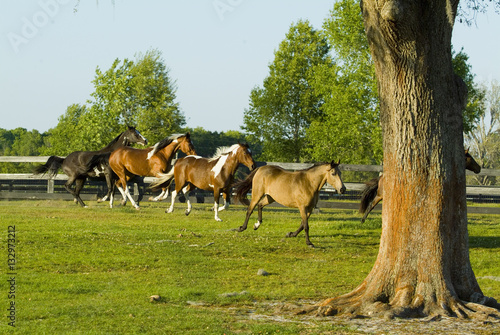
point(93, 270)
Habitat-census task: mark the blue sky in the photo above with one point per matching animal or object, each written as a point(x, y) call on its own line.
point(216, 50)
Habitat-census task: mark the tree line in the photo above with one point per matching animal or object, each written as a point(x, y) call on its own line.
point(319, 102)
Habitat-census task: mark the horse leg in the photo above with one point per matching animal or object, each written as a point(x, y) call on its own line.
point(78, 188)
point(251, 207)
point(225, 195)
point(373, 203)
point(216, 204)
point(162, 196)
point(109, 184)
point(171, 208)
point(125, 192)
point(304, 225)
point(185, 191)
point(266, 200)
point(68, 188)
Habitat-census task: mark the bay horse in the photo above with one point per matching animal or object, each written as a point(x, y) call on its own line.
point(298, 189)
point(374, 190)
point(151, 162)
point(210, 174)
point(74, 165)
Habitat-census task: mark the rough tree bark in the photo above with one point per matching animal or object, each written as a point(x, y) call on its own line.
point(423, 265)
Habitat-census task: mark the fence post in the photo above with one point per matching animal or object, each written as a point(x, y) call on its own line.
point(50, 186)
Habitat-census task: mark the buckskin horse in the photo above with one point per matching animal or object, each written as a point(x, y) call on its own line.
point(210, 174)
point(74, 165)
point(374, 190)
point(298, 189)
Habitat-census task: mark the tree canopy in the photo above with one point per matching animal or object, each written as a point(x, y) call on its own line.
point(282, 110)
point(138, 93)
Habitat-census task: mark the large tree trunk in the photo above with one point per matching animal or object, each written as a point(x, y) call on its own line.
point(423, 265)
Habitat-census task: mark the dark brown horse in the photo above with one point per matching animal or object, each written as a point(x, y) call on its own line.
point(150, 162)
point(374, 190)
point(210, 174)
point(75, 164)
point(299, 189)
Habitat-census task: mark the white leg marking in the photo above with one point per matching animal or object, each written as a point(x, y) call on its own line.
point(130, 198)
point(216, 209)
point(160, 196)
point(226, 206)
point(111, 200)
point(188, 202)
point(171, 208)
point(257, 225)
point(124, 196)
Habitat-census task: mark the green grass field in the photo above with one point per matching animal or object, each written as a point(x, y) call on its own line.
point(93, 270)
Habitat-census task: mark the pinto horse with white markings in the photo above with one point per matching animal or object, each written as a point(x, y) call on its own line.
point(74, 165)
point(299, 189)
point(151, 162)
point(374, 190)
point(210, 174)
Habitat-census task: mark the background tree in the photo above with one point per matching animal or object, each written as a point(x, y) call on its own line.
point(484, 141)
point(475, 95)
point(66, 138)
point(349, 126)
point(138, 93)
point(423, 265)
point(282, 110)
point(20, 142)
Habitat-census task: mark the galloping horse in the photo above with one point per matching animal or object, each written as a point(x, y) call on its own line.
point(374, 190)
point(299, 189)
point(74, 165)
point(150, 162)
point(210, 174)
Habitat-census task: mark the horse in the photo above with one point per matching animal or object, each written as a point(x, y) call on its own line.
point(151, 162)
point(210, 174)
point(374, 190)
point(74, 165)
point(298, 189)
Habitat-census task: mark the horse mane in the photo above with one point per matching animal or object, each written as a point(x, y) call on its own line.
point(221, 151)
point(113, 141)
point(163, 143)
point(315, 165)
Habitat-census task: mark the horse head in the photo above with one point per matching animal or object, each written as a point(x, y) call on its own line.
point(471, 164)
point(132, 135)
point(244, 155)
point(334, 177)
point(185, 144)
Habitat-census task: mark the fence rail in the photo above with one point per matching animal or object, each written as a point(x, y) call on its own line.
point(21, 185)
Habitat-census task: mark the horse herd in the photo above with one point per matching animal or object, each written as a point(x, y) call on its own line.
point(118, 162)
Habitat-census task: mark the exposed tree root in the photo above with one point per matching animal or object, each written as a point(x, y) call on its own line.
point(356, 305)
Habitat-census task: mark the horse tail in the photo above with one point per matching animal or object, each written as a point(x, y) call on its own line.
point(51, 167)
point(368, 194)
point(242, 187)
point(164, 180)
point(96, 161)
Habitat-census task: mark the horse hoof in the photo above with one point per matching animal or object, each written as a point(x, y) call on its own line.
point(187, 213)
point(311, 245)
point(241, 229)
point(290, 234)
point(138, 208)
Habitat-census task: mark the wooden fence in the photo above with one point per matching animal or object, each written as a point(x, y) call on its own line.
point(29, 186)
